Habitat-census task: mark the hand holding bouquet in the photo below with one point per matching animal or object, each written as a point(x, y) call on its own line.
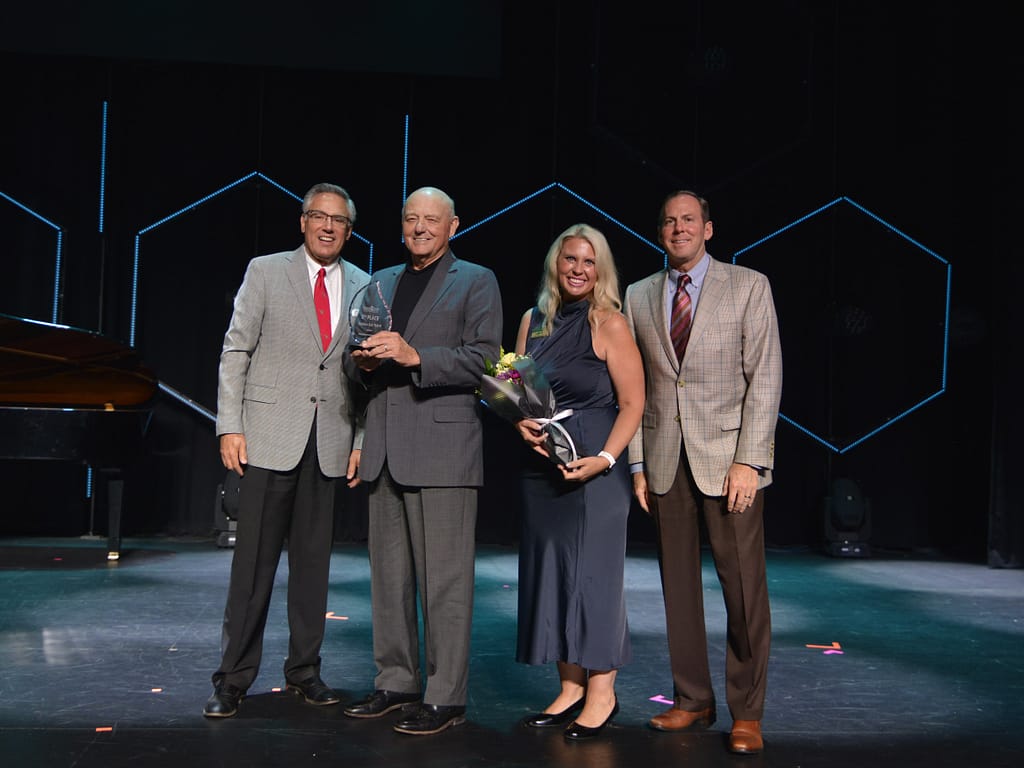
point(515, 389)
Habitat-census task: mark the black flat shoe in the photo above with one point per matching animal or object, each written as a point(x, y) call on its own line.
point(553, 719)
point(577, 732)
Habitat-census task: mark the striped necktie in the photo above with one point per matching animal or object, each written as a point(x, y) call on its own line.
point(680, 330)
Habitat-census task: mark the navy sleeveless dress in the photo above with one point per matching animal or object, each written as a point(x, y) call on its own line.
point(572, 545)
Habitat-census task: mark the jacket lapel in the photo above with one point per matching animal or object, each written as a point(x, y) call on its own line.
point(349, 286)
point(656, 305)
point(298, 278)
point(711, 295)
point(440, 283)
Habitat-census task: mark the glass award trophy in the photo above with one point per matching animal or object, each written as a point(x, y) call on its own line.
point(368, 313)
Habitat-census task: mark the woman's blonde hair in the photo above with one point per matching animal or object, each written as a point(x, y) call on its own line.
point(605, 295)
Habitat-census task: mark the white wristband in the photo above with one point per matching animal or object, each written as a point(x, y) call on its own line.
point(611, 459)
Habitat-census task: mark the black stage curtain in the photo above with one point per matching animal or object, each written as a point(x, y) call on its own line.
point(1006, 504)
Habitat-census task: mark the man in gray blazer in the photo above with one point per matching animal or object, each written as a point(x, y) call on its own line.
point(705, 450)
point(422, 456)
point(286, 423)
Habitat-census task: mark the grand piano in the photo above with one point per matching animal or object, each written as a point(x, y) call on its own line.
point(68, 394)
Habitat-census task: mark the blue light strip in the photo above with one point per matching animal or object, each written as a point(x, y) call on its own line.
point(135, 291)
point(872, 433)
point(56, 275)
point(28, 210)
point(405, 162)
point(889, 226)
point(186, 209)
point(165, 219)
point(891, 421)
point(542, 190)
point(945, 337)
point(785, 418)
point(777, 232)
point(200, 201)
point(405, 171)
point(945, 334)
point(504, 210)
point(57, 257)
point(46, 323)
point(271, 182)
point(188, 401)
point(612, 219)
point(135, 273)
point(103, 164)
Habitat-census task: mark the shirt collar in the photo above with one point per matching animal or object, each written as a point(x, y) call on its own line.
point(696, 274)
point(314, 266)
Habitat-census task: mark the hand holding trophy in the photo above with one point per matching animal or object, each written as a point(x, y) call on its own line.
point(368, 313)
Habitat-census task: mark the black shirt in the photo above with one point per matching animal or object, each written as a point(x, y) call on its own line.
point(409, 290)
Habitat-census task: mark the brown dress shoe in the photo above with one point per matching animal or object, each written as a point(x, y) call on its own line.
point(745, 737)
point(680, 720)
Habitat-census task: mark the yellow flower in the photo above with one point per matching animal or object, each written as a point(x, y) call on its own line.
point(504, 368)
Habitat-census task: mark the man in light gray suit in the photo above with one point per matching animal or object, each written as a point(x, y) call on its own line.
point(705, 450)
point(286, 423)
point(422, 456)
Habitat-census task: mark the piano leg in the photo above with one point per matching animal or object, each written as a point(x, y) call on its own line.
point(115, 493)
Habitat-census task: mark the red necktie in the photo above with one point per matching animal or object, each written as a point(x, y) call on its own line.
point(323, 308)
point(680, 330)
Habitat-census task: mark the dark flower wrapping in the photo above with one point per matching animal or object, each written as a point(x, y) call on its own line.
point(515, 389)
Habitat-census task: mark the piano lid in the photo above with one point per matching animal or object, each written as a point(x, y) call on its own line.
point(48, 364)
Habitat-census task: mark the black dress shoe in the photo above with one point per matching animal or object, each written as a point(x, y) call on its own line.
point(224, 701)
point(425, 719)
point(314, 691)
point(577, 732)
point(553, 719)
point(380, 702)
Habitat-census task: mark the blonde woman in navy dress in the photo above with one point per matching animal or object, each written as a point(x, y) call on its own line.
point(572, 550)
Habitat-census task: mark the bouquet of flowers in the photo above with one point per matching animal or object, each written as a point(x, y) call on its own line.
point(515, 389)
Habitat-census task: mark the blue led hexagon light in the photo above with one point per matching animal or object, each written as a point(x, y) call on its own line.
point(520, 279)
point(55, 312)
point(864, 316)
point(190, 207)
point(560, 187)
point(255, 175)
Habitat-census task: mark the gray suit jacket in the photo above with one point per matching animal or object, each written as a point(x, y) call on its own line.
point(426, 423)
point(274, 374)
point(722, 402)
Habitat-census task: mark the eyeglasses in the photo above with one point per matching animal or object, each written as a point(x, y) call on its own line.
point(320, 217)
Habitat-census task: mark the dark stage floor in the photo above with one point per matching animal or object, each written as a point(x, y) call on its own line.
point(877, 662)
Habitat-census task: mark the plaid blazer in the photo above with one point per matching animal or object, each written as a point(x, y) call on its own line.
point(722, 402)
point(275, 376)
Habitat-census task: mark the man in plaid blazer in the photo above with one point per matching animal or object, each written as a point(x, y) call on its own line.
point(705, 451)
